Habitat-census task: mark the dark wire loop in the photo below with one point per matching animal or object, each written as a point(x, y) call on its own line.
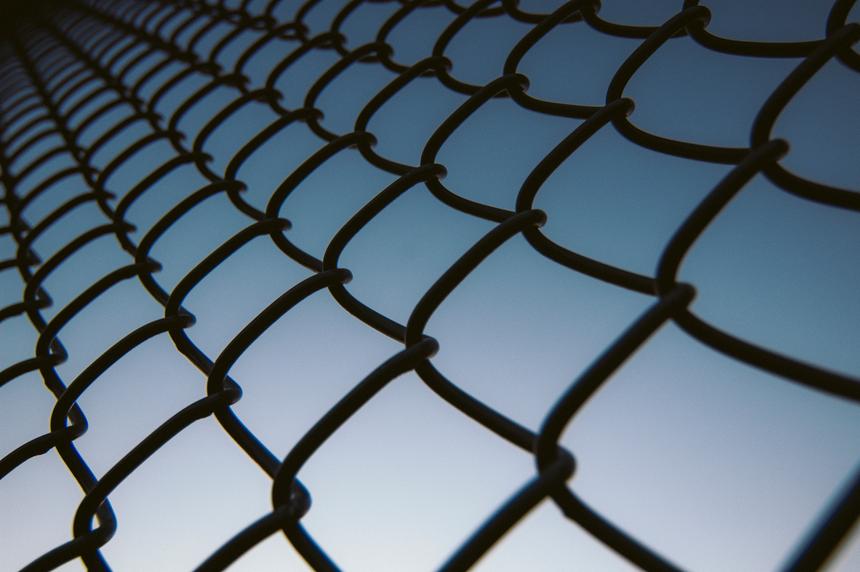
point(776, 103)
point(348, 59)
point(539, 175)
point(563, 14)
point(424, 67)
point(590, 13)
point(353, 226)
point(731, 46)
point(452, 123)
point(576, 396)
point(476, 10)
point(435, 295)
point(622, 76)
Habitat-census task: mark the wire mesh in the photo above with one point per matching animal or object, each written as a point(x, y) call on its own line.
point(80, 55)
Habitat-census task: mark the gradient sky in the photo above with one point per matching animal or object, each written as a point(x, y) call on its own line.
point(715, 464)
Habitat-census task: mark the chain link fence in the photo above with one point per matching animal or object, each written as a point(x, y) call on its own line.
point(70, 66)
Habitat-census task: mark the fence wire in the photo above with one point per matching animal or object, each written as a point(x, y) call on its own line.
point(60, 57)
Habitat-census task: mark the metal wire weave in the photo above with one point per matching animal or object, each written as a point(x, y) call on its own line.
point(72, 47)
